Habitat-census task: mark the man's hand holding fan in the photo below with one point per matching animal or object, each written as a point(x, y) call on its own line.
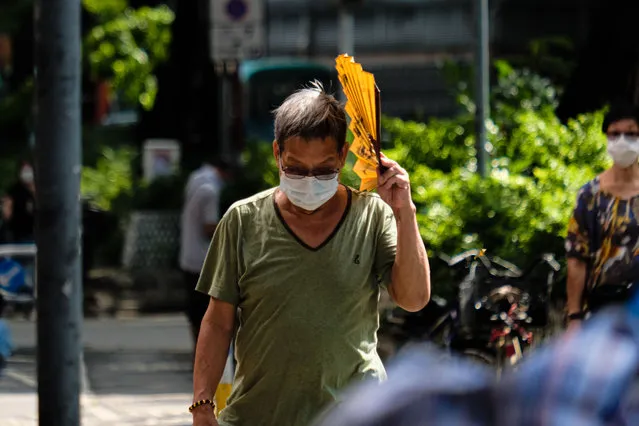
point(363, 106)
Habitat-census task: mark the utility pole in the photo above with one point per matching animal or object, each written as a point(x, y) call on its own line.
point(482, 82)
point(58, 165)
point(238, 31)
point(346, 27)
point(346, 30)
point(225, 72)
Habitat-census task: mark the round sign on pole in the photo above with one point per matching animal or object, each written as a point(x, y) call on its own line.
point(237, 29)
point(236, 9)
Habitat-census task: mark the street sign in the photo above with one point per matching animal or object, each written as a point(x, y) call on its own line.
point(237, 29)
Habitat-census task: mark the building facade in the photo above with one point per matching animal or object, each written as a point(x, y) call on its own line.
point(404, 42)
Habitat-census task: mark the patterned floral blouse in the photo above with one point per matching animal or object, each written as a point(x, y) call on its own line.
point(604, 232)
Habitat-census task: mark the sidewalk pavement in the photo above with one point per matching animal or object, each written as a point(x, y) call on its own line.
point(21, 409)
point(138, 372)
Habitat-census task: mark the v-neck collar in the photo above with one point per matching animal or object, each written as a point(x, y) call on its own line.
point(332, 234)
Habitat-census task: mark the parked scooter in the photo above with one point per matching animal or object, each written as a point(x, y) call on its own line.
point(497, 308)
point(500, 306)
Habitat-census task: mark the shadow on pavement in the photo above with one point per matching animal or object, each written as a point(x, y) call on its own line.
point(20, 374)
point(139, 372)
point(121, 372)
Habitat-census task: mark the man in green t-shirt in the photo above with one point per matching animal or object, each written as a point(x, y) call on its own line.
point(302, 265)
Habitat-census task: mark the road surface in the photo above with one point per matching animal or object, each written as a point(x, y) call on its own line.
point(137, 372)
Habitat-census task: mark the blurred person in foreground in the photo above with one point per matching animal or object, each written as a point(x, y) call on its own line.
point(588, 378)
point(305, 263)
point(200, 216)
point(603, 233)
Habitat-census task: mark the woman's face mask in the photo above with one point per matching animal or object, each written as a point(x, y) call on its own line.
point(308, 192)
point(26, 175)
point(624, 150)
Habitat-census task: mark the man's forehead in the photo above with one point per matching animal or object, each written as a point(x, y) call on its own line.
point(315, 147)
point(302, 141)
point(318, 161)
point(311, 154)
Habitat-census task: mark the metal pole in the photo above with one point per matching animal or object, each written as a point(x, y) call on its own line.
point(267, 28)
point(57, 160)
point(223, 107)
point(346, 30)
point(226, 108)
point(482, 84)
point(346, 34)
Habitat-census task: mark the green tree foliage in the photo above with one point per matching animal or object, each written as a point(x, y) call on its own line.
point(126, 46)
point(111, 178)
point(537, 166)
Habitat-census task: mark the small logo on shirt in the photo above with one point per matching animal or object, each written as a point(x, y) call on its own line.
point(356, 259)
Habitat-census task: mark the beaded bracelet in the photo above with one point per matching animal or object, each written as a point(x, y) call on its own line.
point(200, 403)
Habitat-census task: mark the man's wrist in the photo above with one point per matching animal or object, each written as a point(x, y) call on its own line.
point(198, 404)
point(206, 410)
point(406, 212)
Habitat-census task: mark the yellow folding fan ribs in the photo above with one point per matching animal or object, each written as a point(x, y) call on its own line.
point(363, 106)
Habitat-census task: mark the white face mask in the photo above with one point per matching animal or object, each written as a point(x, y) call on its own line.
point(624, 151)
point(308, 193)
point(26, 175)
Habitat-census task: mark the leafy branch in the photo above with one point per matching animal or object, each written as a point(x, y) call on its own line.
point(127, 45)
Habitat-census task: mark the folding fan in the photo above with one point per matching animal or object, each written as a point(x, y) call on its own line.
point(363, 106)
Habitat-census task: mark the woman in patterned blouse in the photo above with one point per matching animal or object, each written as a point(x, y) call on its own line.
point(602, 246)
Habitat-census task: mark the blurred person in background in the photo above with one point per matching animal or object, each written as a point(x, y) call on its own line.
point(18, 207)
point(305, 263)
point(200, 216)
point(7, 209)
point(603, 233)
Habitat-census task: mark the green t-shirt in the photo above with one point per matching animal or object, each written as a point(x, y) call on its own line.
point(307, 317)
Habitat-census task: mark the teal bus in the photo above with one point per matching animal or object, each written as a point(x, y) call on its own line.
point(265, 83)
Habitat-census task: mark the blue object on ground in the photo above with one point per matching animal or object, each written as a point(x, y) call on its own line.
point(6, 346)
